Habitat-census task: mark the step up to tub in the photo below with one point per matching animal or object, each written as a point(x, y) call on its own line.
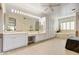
point(73, 44)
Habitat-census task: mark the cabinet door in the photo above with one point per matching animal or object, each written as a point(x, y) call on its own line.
point(12, 41)
point(41, 37)
point(1, 44)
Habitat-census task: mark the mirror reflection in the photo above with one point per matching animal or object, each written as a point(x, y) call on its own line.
point(22, 23)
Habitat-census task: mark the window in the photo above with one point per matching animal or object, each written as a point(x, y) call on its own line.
point(61, 26)
point(64, 26)
point(67, 25)
point(72, 25)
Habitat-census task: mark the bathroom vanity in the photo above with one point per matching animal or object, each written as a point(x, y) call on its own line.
point(39, 36)
point(1, 42)
point(17, 34)
point(20, 30)
point(13, 40)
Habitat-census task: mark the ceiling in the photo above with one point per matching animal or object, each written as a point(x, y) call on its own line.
point(37, 9)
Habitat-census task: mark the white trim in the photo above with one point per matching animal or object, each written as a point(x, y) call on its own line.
point(66, 16)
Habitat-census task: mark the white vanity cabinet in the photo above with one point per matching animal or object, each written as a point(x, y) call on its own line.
point(41, 37)
point(14, 40)
point(1, 38)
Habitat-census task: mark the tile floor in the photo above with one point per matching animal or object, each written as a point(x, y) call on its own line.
point(50, 47)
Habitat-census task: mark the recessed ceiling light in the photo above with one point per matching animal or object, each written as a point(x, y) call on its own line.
point(12, 10)
point(15, 11)
point(21, 12)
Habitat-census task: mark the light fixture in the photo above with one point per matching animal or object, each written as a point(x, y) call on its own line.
point(20, 12)
point(23, 13)
point(12, 10)
point(15, 11)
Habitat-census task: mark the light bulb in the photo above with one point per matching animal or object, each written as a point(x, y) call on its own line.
point(15, 11)
point(12, 10)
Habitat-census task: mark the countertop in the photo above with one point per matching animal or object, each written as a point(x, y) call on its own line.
point(13, 32)
point(35, 33)
point(32, 33)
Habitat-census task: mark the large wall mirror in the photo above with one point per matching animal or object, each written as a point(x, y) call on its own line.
point(21, 23)
point(10, 24)
point(35, 25)
point(42, 25)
